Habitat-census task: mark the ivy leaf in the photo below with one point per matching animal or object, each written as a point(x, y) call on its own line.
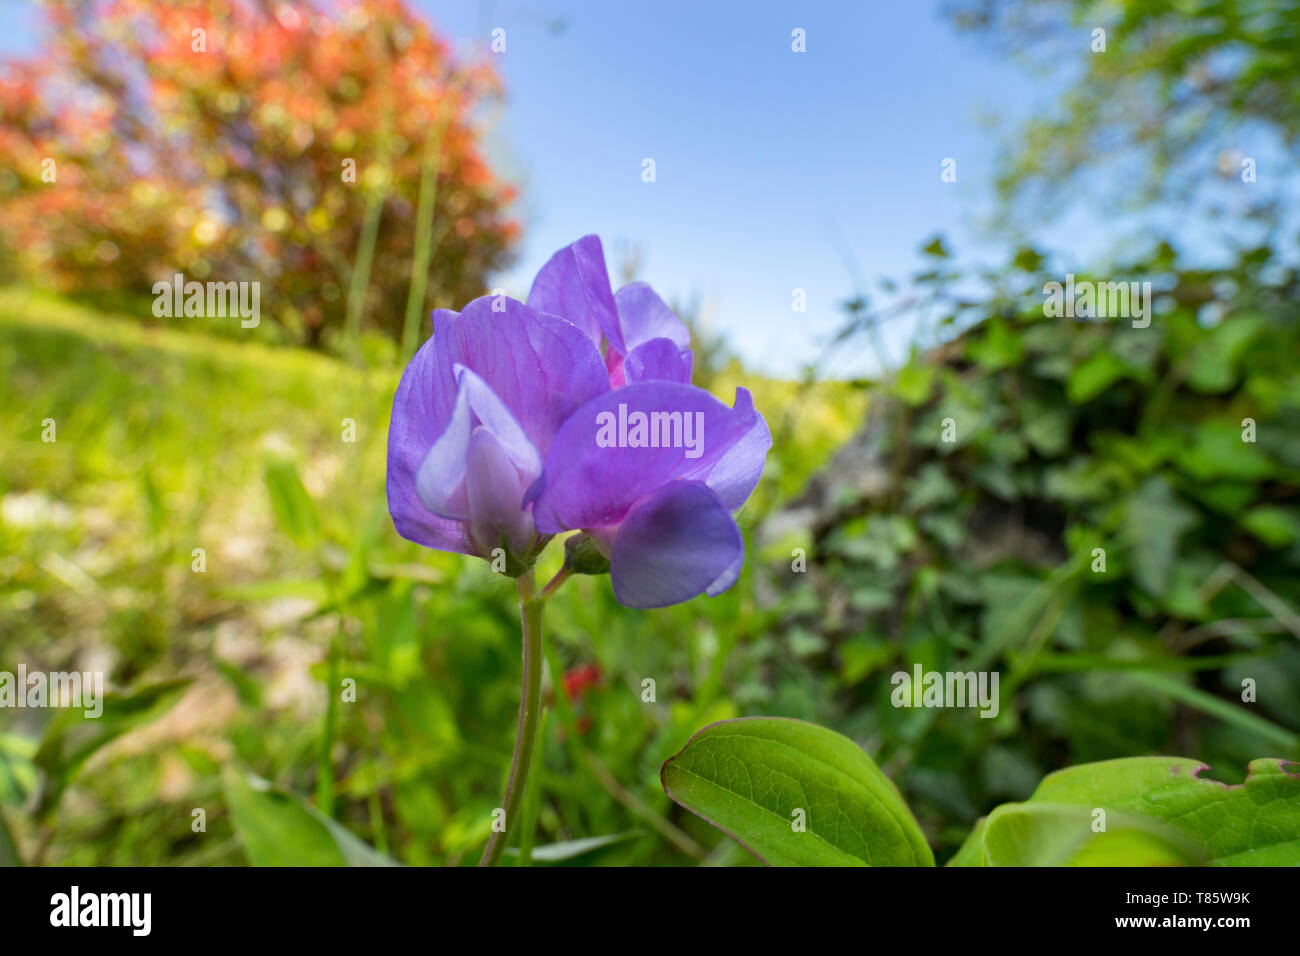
point(998, 348)
point(1215, 359)
point(1093, 376)
point(750, 778)
point(1274, 525)
point(915, 381)
point(1217, 452)
point(1155, 522)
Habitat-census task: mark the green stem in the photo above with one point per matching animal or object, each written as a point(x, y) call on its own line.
point(532, 798)
point(553, 585)
point(530, 607)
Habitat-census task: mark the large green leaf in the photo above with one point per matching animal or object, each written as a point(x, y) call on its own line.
point(971, 852)
point(1256, 822)
point(1063, 834)
point(1158, 811)
point(750, 776)
point(278, 829)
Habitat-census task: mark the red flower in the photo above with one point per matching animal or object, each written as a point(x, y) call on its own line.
point(578, 679)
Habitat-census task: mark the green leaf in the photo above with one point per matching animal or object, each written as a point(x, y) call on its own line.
point(1155, 521)
point(8, 848)
point(999, 346)
point(1215, 358)
point(292, 505)
point(936, 248)
point(18, 776)
point(971, 852)
point(568, 850)
point(1217, 451)
point(278, 829)
point(1093, 376)
point(750, 776)
point(1047, 428)
point(1274, 525)
point(71, 738)
point(1159, 811)
point(914, 381)
point(1062, 834)
point(1255, 823)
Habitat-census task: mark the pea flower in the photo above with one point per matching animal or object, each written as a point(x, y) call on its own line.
point(473, 418)
point(643, 337)
point(515, 423)
point(496, 442)
point(659, 514)
point(657, 504)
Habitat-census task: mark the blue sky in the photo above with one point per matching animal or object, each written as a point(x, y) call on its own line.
point(769, 163)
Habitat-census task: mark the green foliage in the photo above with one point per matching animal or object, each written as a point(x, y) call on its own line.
point(277, 829)
point(795, 794)
point(73, 737)
point(572, 852)
point(752, 778)
point(1056, 834)
point(1111, 529)
point(1256, 822)
point(1173, 85)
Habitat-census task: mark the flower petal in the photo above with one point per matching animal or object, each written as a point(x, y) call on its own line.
point(585, 485)
point(658, 359)
point(540, 366)
point(736, 473)
point(675, 543)
point(643, 316)
point(575, 286)
point(412, 430)
point(495, 492)
point(440, 482)
point(493, 415)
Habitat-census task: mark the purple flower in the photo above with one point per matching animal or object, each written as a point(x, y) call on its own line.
point(575, 412)
point(661, 516)
point(473, 419)
point(643, 337)
point(660, 511)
